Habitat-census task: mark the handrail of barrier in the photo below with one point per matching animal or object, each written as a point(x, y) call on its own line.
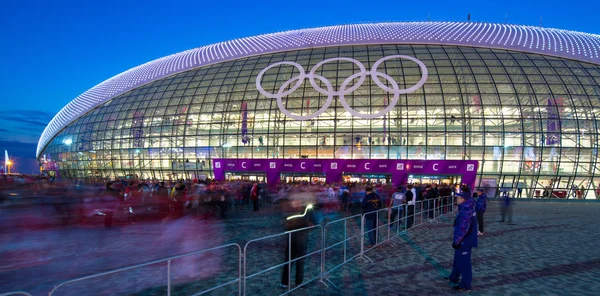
point(345, 241)
point(417, 210)
point(367, 232)
point(394, 221)
point(168, 260)
point(432, 212)
point(23, 293)
point(289, 262)
point(400, 213)
point(421, 211)
point(442, 205)
point(376, 227)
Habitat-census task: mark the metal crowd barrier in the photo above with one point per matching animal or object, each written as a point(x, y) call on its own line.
point(347, 257)
point(440, 206)
point(375, 230)
point(290, 259)
point(168, 261)
point(395, 222)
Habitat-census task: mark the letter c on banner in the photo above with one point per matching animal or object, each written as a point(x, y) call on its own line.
point(302, 165)
point(435, 166)
point(244, 164)
point(367, 166)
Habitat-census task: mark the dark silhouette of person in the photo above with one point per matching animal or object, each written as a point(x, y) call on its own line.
point(302, 217)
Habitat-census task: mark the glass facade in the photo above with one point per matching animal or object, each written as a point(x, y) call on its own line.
point(529, 119)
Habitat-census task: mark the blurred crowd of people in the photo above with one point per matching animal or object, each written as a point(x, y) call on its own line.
point(131, 200)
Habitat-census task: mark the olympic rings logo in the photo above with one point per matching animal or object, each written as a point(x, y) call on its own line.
point(330, 92)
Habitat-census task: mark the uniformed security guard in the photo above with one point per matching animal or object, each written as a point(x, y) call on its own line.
point(465, 238)
point(299, 239)
point(480, 208)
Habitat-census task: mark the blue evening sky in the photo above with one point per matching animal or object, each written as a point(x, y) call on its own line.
point(52, 51)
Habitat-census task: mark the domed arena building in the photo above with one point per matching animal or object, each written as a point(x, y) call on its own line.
point(522, 101)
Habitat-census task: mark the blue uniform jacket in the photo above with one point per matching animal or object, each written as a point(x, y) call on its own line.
point(481, 203)
point(465, 225)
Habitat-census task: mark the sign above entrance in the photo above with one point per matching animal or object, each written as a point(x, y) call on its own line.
point(344, 88)
point(335, 168)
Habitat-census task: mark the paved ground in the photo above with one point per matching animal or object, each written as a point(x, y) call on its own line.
point(551, 249)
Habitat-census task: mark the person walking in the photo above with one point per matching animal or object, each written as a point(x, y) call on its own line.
point(178, 197)
point(396, 206)
point(480, 209)
point(465, 238)
point(162, 196)
point(130, 197)
point(345, 196)
point(506, 208)
point(297, 245)
point(254, 196)
point(370, 204)
point(110, 199)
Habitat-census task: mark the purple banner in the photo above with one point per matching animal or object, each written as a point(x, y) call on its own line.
point(244, 122)
point(385, 102)
point(553, 123)
point(334, 169)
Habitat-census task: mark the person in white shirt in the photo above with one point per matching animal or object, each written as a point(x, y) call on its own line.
point(414, 194)
point(330, 192)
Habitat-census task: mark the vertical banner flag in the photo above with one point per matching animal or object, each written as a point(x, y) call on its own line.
point(477, 104)
point(553, 123)
point(6, 162)
point(497, 153)
point(385, 102)
point(181, 115)
point(311, 122)
point(244, 122)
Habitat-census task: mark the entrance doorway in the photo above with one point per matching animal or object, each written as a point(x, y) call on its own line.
point(434, 179)
point(367, 178)
point(303, 177)
point(246, 176)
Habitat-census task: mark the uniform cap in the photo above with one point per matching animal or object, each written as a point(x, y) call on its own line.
point(463, 195)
